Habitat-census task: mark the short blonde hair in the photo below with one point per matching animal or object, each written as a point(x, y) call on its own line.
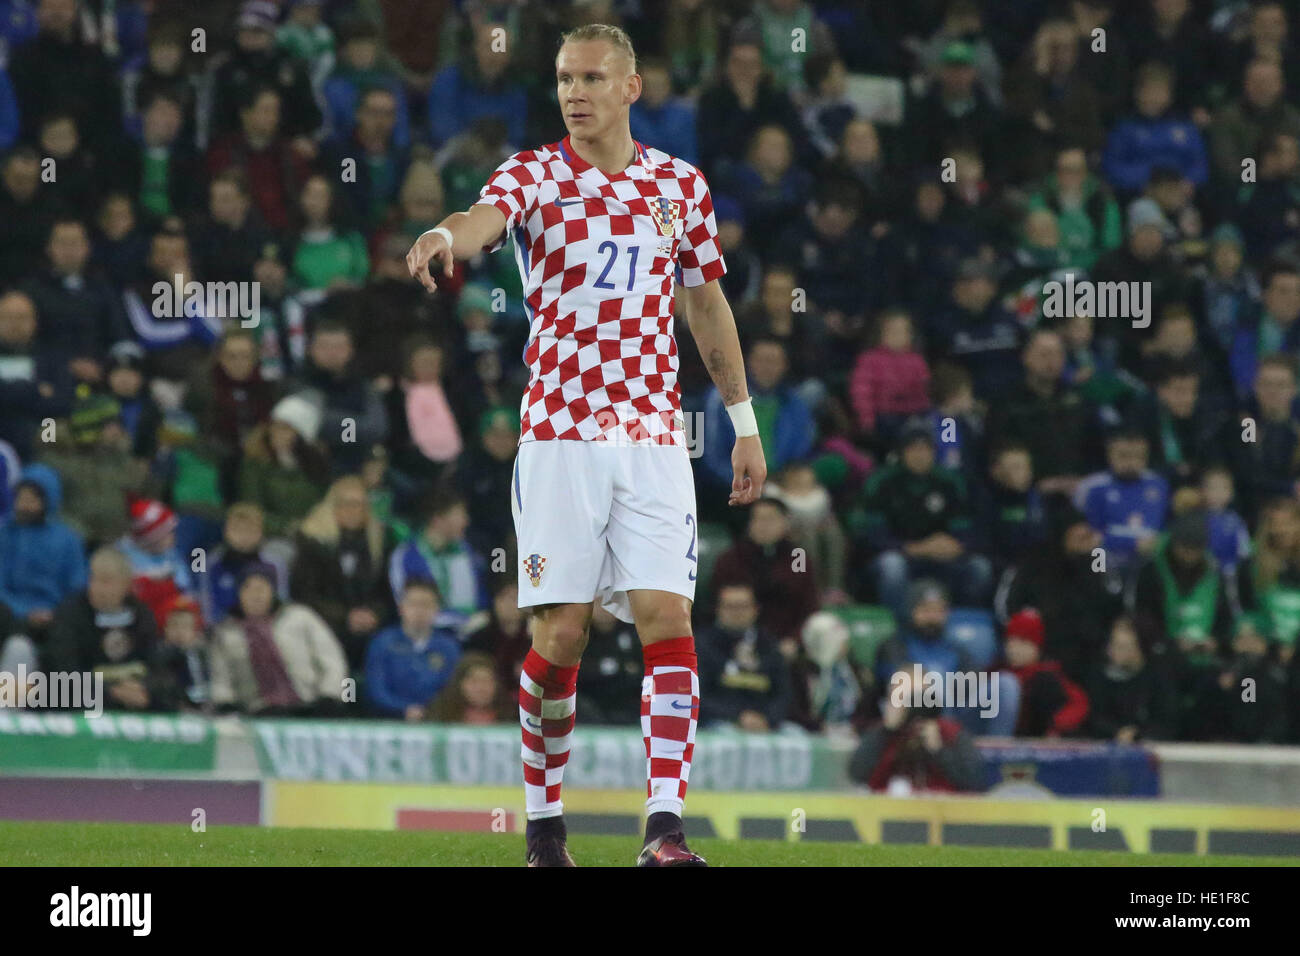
point(611, 34)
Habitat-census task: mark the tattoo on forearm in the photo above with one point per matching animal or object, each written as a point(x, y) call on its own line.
point(724, 376)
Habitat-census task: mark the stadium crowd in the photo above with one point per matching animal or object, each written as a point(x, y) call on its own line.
point(231, 509)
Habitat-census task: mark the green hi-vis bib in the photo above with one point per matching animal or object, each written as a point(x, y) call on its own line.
point(1188, 616)
point(1283, 607)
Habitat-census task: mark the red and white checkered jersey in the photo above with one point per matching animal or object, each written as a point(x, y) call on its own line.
point(599, 254)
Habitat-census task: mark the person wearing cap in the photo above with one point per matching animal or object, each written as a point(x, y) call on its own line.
point(183, 682)
point(1180, 601)
point(255, 62)
point(275, 659)
point(159, 571)
point(976, 331)
point(914, 517)
point(127, 384)
point(1153, 136)
point(954, 109)
point(41, 559)
point(921, 637)
point(284, 472)
point(92, 454)
point(1051, 705)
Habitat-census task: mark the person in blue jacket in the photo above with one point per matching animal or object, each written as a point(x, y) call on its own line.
point(408, 663)
point(1271, 327)
point(42, 560)
point(480, 85)
point(661, 119)
point(1153, 137)
point(1128, 503)
point(785, 421)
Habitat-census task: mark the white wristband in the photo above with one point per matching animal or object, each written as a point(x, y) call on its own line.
point(445, 233)
point(742, 418)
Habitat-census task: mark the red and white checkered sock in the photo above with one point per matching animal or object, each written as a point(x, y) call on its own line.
point(670, 709)
point(546, 713)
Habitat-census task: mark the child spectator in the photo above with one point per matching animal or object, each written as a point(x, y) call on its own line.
point(181, 666)
point(159, 570)
point(1127, 503)
point(242, 544)
point(1051, 705)
point(475, 695)
point(956, 418)
point(1010, 517)
point(1229, 536)
point(890, 381)
point(408, 663)
point(1129, 700)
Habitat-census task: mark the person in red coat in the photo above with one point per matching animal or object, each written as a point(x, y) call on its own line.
point(1051, 705)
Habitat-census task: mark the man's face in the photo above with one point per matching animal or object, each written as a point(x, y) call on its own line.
point(1153, 98)
point(1081, 538)
point(57, 16)
point(243, 534)
point(261, 119)
point(69, 249)
point(778, 292)
point(1071, 170)
point(930, 616)
point(1263, 84)
point(22, 176)
point(1282, 297)
point(1020, 652)
point(227, 203)
point(656, 86)
point(331, 351)
point(595, 86)
point(378, 115)
point(351, 508)
point(500, 441)
point(29, 506)
point(1127, 457)
point(737, 609)
point(1014, 470)
point(162, 122)
point(1045, 358)
point(767, 525)
point(107, 589)
point(1178, 395)
point(491, 57)
point(1185, 556)
point(957, 80)
point(1275, 389)
point(360, 54)
point(833, 220)
point(59, 138)
point(1177, 336)
point(1124, 650)
point(182, 629)
point(165, 57)
point(767, 365)
point(168, 255)
point(125, 381)
point(419, 608)
point(918, 456)
point(17, 320)
point(451, 524)
point(1146, 242)
point(744, 65)
point(974, 294)
point(254, 39)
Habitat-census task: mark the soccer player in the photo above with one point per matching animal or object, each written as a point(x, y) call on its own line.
point(602, 496)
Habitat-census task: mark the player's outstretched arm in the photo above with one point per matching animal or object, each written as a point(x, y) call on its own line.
point(460, 235)
point(714, 328)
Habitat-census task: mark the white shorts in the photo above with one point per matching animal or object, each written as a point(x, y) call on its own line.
point(595, 520)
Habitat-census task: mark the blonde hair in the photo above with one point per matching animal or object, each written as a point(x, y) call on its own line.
point(1269, 560)
point(321, 525)
point(612, 35)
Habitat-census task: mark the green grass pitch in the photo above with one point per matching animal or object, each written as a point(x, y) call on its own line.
point(121, 844)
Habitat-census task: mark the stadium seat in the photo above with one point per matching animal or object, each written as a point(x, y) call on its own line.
point(869, 626)
point(973, 630)
point(713, 539)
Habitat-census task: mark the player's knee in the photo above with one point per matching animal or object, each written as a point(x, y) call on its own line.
point(662, 618)
point(560, 631)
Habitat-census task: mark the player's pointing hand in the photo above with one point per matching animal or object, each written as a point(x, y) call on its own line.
point(430, 248)
point(749, 469)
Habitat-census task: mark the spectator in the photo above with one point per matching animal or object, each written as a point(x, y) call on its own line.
point(380, 163)
point(1230, 288)
point(34, 385)
point(1051, 705)
point(1127, 503)
point(1011, 519)
point(27, 214)
point(228, 395)
point(771, 24)
point(326, 258)
point(1268, 583)
point(182, 675)
point(348, 408)
point(107, 630)
point(735, 106)
point(661, 118)
point(442, 554)
point(127, 385)
point(426, 439)
point(1154, 136)
point(1086, 212)
point(772, 188)
point(916, 517)
point(408, 663)
point(339, 568)
point(915, 748)
point(921, 638)
point(1258, 717)
point(613, 669)
point(283, 472)
point(1271, 329)
point(1238, 127)
point(357, 70)
point(309, 40)
point(891, 381)
point(1229, 536)
point(1128, 700)
point(242, 544)
point(1269, 465)
point(274, 659)
point(162, 71)
point(483, 85)
point(163, 173)
point(744, 678)
point(1183, 433)
point(954, 109)
point(765, 560)
point(485, 474)
point(159, 570)
point(274, 168)
point(1268, 209)
point(977, 332)
point(475, 695)
point(229, 239)
point(813, 525)
point(503, 634)
point(41, 558)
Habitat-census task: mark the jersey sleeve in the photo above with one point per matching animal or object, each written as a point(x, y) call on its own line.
point(513, 190)
point(699, 255)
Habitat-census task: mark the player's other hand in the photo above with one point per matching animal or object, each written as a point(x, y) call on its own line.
point(749, 470)
point(429, 249)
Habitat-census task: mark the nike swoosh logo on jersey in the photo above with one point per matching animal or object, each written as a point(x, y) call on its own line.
point(530, 723)
point(677, 706)
point(568, 202)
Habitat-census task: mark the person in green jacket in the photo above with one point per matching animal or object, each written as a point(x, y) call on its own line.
point(326, 257)
point(284, 470)
point(1087, 215)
